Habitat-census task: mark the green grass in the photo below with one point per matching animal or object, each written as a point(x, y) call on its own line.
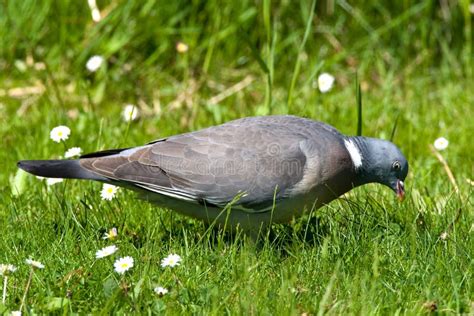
point(365, 253)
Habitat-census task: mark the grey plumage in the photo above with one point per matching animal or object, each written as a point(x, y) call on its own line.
point(277, 165)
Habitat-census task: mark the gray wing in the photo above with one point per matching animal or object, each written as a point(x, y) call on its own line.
point(260, 160)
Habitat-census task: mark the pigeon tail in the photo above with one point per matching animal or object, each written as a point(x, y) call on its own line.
point(67, 169)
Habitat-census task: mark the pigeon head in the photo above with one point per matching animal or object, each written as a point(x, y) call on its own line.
point(380, 161)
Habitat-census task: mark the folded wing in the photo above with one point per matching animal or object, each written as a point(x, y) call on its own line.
point(212, 166)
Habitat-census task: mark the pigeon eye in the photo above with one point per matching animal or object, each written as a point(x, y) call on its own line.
point(396, 166)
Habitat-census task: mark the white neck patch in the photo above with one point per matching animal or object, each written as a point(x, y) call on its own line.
point(354, 152)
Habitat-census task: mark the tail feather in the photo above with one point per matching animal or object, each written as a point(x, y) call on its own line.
point(67, 169)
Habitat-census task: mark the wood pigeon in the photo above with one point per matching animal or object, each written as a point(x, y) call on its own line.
point(249, 172)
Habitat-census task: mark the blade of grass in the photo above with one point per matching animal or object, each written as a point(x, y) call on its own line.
point(296, 70)
point(267, 20)
point(255, 52)
point(264, 67)
point(270, 53)
point(394, 129)
point(359, 106)
point(212, 44)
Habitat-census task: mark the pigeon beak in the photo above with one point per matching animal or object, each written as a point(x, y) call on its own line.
point(400, 190)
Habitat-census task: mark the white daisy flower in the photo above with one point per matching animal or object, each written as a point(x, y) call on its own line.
point(94, 63)
point(130, 113)
point(15, 313)
point(444, 235)
point(181, 47)
point(52, 181)
point(34, 263)
point(60, 133)
point(325, 82)
point(7, 269)
point(124, 264)
point(160, 290)
point(111, 234)
point(441, 143)
point(73, 152)
point(106, 251)
point(171, 261)
point(108, 191)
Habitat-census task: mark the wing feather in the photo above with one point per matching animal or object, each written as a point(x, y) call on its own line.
point(262, 159)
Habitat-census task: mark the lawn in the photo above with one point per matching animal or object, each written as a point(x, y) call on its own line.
point(187, 65)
